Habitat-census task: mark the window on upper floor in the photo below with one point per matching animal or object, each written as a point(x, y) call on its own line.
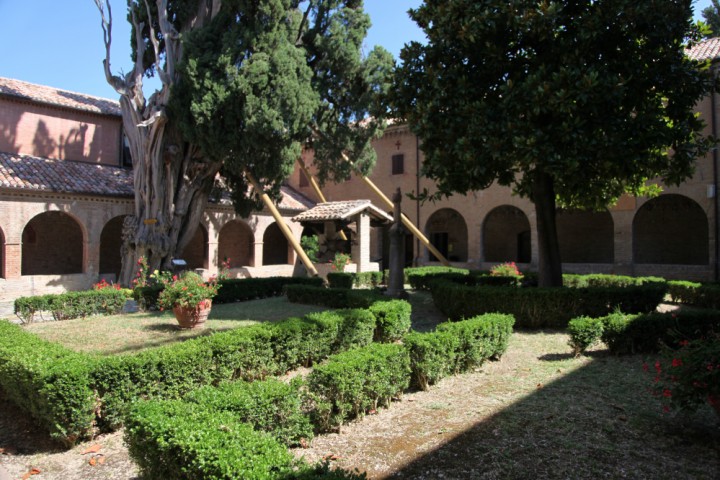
point(398, 164)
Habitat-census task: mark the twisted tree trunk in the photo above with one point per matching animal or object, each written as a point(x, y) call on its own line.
point(172, 179)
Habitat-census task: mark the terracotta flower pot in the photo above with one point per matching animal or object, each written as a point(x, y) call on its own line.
point(193, 317)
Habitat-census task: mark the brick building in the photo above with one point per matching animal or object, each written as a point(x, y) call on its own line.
point(66, 185)
point(673, 235)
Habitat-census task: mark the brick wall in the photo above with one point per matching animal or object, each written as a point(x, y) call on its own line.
point(110, 247)
point(196, 252)
point(586, 237)
point(52, 243)
point(50, 132)
point(275, 246)
point(236, 243)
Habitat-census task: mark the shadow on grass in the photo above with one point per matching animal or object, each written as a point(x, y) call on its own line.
point(598, 421)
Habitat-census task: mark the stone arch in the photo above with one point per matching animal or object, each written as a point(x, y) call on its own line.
point(195, 252)
point(52, 244)
point(236, 242)
point(111, 247)
point(275, 246)
point(586, 237)
point(447, 231)
point(506, 235)
point(672, 230)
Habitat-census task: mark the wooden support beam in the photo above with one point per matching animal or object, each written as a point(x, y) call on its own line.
point(405, 220)
point(316, 187)
point(281, 223)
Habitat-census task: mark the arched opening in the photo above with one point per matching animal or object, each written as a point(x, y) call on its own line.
point(447, 231)
point(275, 246)
point(671, 229)
point(111, 247)
point(585, 237)
point(195, 253)
point(52, 244)
point(235, 243)
point(506, 235)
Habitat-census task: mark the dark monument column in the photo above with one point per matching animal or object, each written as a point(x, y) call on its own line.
point(396, 284)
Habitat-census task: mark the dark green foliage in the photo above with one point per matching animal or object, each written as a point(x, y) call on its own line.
point(305, 341)
point(367, 279)
point(481, 337)
point(311, 245)
point(602, 280)
point(392, 320)
point(705, 295)
point(456, 347)
point(356, 381)
point(645, 333)
point(544, 307)
point(535, 96)
point(177, 440)
point(332, 297)
point(147, 297)
point(244, 289)
point(584, 333)
point(262, 78)
point(243, 353)
point(711, 15)
point(356, 330)
point(48, 381)
point(269, 405)
point(419, 278)
point(65, 306)
point(340, 280)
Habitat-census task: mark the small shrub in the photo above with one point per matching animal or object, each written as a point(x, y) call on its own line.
point(356, 330)
point(177, 440)
point(69, 305)
point(392, 320)
point(332, 297)
point(584, 333)
point(244, 289)
point(340, 280)
point(367, 279)
point(356, 381)
point(433, 356)
point(270, 406)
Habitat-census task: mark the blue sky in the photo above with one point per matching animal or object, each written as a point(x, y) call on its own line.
point(59, 43)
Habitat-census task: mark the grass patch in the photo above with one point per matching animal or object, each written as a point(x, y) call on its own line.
point(131, 333)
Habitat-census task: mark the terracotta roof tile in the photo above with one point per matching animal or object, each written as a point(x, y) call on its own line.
point(706, 50)
point(45, 175)
point(57, 97)
point(340, 211)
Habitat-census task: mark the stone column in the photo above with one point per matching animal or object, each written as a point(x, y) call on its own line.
point(361, 247)
point(257, 254)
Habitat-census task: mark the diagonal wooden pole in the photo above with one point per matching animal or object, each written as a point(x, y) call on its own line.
point(281, 223)
point(316, 187)
point(405, 220)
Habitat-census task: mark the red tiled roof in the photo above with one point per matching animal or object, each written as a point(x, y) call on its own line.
point(340, 211)
point(57, 97)
point(706, 50)
point(26, 172)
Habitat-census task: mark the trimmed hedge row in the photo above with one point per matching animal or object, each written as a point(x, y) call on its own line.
point(333, 297)
point(340, 279)
point(705, 295)
point(627, 334)
point(354, 382)
point(232, 289)
point(349, 384)
point(457, 347)
point(604, 280)
point(72, 394)
point(544, 307)
point(244, 289)
point(350, 280)
point(65, 306)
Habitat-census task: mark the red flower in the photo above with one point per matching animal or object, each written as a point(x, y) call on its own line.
point(645, 367)
point(667, 393)
point(666, 409)
point(684, 343)
point(658, 367)
point(174, 278)
point(677, 362)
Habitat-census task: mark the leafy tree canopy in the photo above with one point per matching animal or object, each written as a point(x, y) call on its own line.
point(594, 94)
point(711, 15)
point(265, 78)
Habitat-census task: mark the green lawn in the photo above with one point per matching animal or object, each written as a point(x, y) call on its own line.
point(122, 334)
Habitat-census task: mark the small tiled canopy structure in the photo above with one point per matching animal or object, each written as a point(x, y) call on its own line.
point(332, 215)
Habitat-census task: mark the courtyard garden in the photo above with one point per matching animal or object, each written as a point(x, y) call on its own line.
point(341, 382)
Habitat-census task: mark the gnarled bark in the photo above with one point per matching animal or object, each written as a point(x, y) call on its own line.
point(172, 179)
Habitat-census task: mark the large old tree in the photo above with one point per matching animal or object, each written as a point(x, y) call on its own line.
point(245, 85)
point(574, 102)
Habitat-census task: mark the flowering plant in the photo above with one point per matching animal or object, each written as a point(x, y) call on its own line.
point(508, 269)
point(187, 291)
point(338, 263)
point(689, 376)
point(141, 276)
point(224, 270)
point(103, 284)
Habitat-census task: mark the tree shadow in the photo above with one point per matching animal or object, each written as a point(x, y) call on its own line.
point(20, 435)
point(598, 421)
